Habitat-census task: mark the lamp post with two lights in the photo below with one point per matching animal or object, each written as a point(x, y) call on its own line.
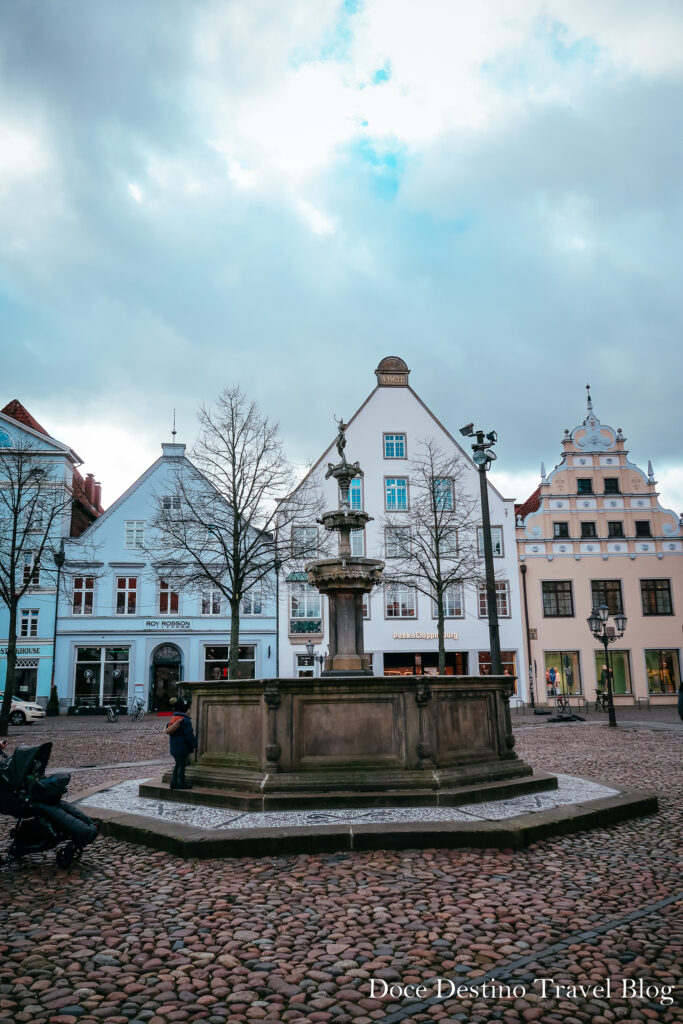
point(606, 635)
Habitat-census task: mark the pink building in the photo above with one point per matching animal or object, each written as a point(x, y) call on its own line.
point(594, 533)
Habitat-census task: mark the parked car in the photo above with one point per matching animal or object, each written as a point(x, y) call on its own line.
point(23, 711)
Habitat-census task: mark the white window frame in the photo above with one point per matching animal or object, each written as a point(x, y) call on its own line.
point(357, 540)
point(166, 590)
point(394, 441)
point(404, 597)
point(356, 493)
point(394, 487)
point(303, 592)
point(126, 590)
point(440, 492)
point(170, 503)
point(451, 601)
point(309, 548)
point(134, 537)
point(480, 542)
point(252, 599)
point(82, 592)
point(31, 573)
point(502, 600)
point(446, 549)
point(28, 623)
point(210, 601)
point(395, 538)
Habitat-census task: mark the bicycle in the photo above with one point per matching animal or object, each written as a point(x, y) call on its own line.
point(112, 713)
point(137, 709)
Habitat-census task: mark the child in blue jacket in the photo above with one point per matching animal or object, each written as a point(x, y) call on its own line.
point(183, 742)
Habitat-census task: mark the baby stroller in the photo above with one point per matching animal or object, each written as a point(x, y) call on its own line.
point(44, 820)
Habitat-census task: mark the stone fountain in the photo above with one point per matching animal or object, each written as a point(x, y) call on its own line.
point(348, 738)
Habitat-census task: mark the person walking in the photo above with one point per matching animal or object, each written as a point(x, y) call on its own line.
point(182, 743)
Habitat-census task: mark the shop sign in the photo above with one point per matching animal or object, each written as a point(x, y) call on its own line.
point(424, 636)
point(24, 652)
point(167, 624)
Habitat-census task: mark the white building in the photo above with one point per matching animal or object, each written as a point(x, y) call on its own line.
point(400, 629)
point(125, 632)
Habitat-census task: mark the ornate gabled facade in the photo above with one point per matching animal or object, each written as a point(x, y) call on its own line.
point(593, 532)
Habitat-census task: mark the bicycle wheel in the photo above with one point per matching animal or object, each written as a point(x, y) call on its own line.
point(138, 714)
point(111, 714)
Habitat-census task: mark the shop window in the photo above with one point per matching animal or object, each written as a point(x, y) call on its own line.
point(502, 600)
point(400, 602)
point(508, 661)
point(607, 592)
point(562, 673)
point(134, 533)
point(252, 601)
point(663, 671)
point(397, 541)
point(26, 679)
point(611, 484)
point(305, 615)
point(101, 675)
point(558, 601)
point(561, 531)
point(442, 488)
point(396, 494)
point(656, 597)
point(615, 529)
point(304, 541)
point(588, 530)
point(621, 672)
point(211, 601)
point(358, 543)
point(126, 595)
point(216, 662)
point(643, 528)
point(394, 446)
point(168, 599)
point(84, 592)
point(584, 485)
point(28, 622)
point(496, 541)
point(453, 603)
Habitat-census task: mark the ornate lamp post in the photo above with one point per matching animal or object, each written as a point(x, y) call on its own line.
point(319, 658)
point(483, 457)
point(59, 558)
point(597, 623)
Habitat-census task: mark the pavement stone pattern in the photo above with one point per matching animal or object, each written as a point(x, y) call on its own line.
point(134, 935)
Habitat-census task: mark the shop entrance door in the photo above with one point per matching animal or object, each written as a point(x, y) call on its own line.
point(166, 675)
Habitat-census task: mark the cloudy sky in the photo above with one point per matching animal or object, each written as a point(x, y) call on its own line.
point(278, 193)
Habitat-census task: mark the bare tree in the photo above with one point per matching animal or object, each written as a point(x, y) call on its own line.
point(35, 509)
point(432, 545)
point(216, 530)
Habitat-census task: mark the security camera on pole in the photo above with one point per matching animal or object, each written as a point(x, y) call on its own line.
point(483, 457)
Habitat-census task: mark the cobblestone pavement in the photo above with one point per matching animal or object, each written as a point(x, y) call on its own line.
point(132, 935)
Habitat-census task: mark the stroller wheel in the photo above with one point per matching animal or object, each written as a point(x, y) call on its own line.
point(65, 855)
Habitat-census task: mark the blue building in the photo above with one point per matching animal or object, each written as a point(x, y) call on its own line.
point(125, 631)
point(78, 504)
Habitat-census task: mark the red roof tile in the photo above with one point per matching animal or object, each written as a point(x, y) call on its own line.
point(532, 504)
point(16, 410)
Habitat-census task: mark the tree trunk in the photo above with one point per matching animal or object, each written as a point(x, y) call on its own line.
point(440, 631)
point(10, 679)
point(234, 654)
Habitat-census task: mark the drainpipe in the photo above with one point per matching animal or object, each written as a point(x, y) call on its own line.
point(532, 701)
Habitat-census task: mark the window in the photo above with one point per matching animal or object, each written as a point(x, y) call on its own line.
point(84, 592)
point(211, 601)
point(126, 595)
point(607, 592)
point(621, 673)
point(584, 486)
point(448, 542)
point(252, 601)
point(663, 671)
point(561, 531)
point(356, 493)
point(28, 623)
point(611, 485)
point(502, 600)
point(366, 606)
point(562, 673)
point(305, 614)
point(588, 530)
point(443, 493)
point(101, 675)
point(171, 503)
point(135, 533)
point(507, 660)
point(557, 599)
point(400, 602)
point(397, 541)
point(394, 446)
point(453, 604)
point(358, 543)
point(168, 599)
point(216, 662)
point(496, 541)
point(396, 494)
point(31, 572)
point(615, 529)
point(656, 597)
point(305, 541)
point(643, 528)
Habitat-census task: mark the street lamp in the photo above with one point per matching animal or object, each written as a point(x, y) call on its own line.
point(597, 623)
point(483, 457)
point(59, 558)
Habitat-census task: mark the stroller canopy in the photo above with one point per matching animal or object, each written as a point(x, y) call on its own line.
point(26, 761)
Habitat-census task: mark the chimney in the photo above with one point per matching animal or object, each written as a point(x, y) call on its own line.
point(90, 488)
point(98, 496)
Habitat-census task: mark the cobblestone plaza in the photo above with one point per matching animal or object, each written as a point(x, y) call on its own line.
point(582, 928)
